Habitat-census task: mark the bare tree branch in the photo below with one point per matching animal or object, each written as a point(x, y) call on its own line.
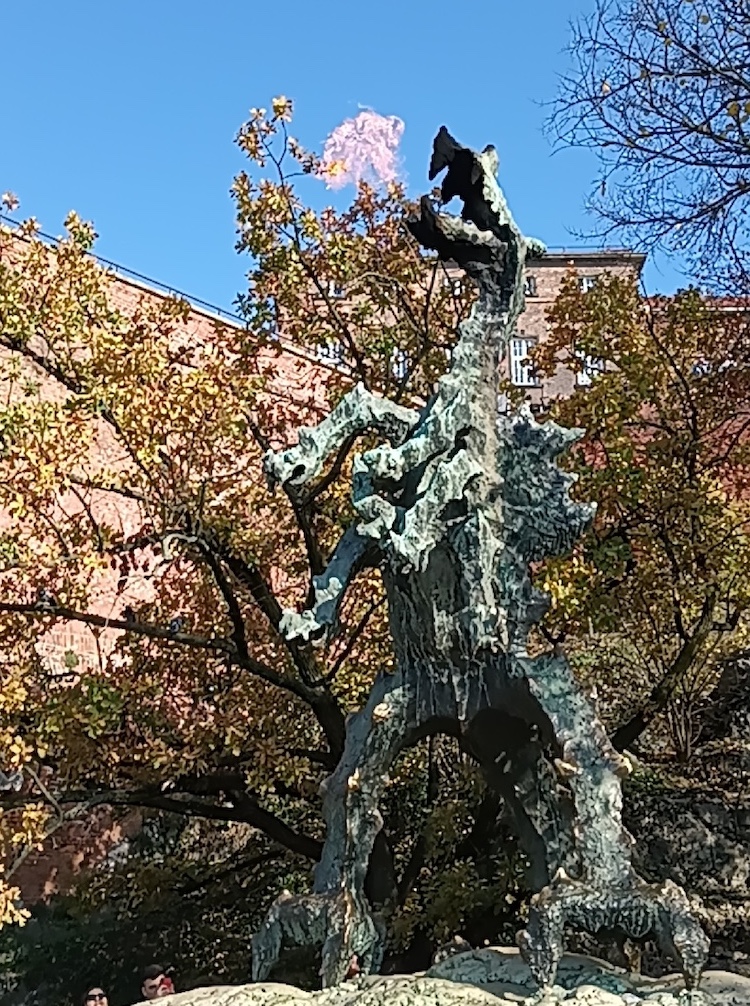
point(236, 806)
point(660, 93)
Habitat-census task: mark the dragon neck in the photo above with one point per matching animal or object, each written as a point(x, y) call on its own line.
point(485, 335)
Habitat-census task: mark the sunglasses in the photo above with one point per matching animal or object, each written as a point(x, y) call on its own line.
point(95, 996)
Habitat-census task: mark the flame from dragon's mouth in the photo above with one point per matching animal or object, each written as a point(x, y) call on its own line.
point(364, 148)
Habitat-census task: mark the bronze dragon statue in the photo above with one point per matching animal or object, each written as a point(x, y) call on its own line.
point(453, 508)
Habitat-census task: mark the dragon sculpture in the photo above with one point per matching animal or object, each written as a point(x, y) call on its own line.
point(453, 508)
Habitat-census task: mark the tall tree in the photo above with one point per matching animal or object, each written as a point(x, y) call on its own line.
point(661, 93)
point(133, 452)
point(657, 593)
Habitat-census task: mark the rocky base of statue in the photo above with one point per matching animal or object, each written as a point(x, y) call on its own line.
point(489, 977)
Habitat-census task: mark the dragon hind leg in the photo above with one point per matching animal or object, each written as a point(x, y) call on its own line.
point(607, 892)
point(337, 915)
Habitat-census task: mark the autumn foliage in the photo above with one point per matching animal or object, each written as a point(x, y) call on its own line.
point(134, 506)
point(658, 593)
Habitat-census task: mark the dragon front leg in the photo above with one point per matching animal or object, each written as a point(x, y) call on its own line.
point(315, 623)
point(357, 412)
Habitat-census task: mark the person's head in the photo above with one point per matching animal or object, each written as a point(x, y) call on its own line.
point(95, 996)
point(155, 982)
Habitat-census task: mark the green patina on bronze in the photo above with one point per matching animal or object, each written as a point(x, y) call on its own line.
point(453, 508)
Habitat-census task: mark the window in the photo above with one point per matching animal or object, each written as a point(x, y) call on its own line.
point(521, 370)
point(587, 283)
point(399, 364)
point(331, 352)
point(454, 284)
point(335, 289)
point(703, 367)
point(589, 367)
point(529, 286)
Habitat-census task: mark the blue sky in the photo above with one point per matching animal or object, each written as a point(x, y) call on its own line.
point(127, 113)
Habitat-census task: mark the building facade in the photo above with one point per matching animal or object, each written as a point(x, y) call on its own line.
point(543, 282)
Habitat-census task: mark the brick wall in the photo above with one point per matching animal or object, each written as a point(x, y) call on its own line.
point(294, 394)
point(78, 846)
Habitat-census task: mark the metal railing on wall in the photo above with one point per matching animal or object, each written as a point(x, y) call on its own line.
point(124, 271)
